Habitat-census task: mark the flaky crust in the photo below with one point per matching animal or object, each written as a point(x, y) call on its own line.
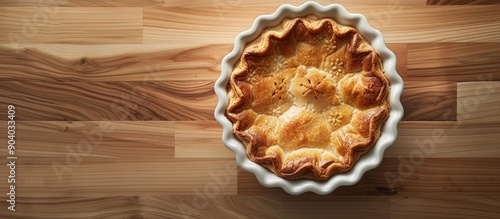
point(308, 98)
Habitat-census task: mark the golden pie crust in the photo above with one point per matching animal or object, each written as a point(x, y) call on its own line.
point(308, 98)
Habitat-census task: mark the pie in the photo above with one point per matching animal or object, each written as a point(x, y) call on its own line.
point(308, 97)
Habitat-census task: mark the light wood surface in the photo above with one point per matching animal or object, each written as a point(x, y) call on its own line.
point(114, 112)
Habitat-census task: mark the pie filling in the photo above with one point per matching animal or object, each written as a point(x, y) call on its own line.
point(308, 98)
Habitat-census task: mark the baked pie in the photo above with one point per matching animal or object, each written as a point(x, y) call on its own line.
point(308, 97)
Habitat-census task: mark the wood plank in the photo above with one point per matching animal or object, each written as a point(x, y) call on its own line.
point(223, 4)
point(429, 101)
point(189, 206)
point(200, 139)
point(121, 62)
point(263, 206)
point(398, 23)
point(94, 141)
point(119, 206)
point(462, 2)
point(456, 206)
point(98, 25)
point(401, 52)
point(124, 62)
point(410, 24)
point(439, 176)
point(72, 178)
point(453, 61)
point(96, 101)
point(447, 140)
point(478, 101)
point(341, 207)
point(201, 25)
point(243, 207)
point(82, 3)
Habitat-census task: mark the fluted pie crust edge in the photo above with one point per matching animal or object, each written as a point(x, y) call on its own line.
point(308, 98)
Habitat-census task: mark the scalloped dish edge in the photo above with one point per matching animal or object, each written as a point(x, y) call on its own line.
point(368, 161)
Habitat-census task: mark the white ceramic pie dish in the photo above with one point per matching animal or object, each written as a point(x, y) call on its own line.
point(368, 161)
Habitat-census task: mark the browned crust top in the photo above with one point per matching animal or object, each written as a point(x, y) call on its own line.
point(308, 98)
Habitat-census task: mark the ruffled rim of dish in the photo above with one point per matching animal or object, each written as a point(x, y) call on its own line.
point(368, 161)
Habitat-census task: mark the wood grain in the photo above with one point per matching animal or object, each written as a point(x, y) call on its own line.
point(438, 176)
point(429, 101)
point(114, 112)
point(447, 140)
point(462, 2)
point(345, 206)
point(261, 206)
point(222, 4)
point(125, 62)
point(98, 142)
point(401, 52)
point(243, 207)
point(122, 62)
point(455, 206)
point(399, 24)
point(24, 25)
point(453, 61)
point(200, 139)
point(75, 177)
point(478, 101)
point(206, 26)
point(96, 101)
point(221, 206)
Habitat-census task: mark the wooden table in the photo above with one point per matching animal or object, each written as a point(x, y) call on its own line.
point(114, 112)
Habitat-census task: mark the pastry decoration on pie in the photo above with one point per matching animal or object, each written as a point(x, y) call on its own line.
point(308, 98)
